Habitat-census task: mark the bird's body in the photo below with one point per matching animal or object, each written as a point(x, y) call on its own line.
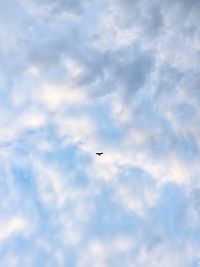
point(99, 153)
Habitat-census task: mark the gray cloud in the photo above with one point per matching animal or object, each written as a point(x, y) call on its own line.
point(70, 6)
point(140, 59)
point(133, 70)
point(146, 17)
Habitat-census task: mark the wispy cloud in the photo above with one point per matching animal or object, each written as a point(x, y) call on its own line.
point(80, 77)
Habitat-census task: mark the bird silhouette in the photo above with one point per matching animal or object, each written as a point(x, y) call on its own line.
point(99, 153)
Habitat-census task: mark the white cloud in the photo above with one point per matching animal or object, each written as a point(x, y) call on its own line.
point(74, 68)
point(51, 185)
point(14, 226)
point(100, 252)
point(55, 97)
point(111, 33)
point(32, 119)
point(121, 113)
point(80, 128)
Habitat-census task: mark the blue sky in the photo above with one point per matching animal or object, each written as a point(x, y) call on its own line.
point(118, 76)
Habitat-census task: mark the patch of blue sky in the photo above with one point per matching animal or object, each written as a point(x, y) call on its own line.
point(173, 224)
point(109, 218)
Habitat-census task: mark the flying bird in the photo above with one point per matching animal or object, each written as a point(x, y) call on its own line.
point(99, 153)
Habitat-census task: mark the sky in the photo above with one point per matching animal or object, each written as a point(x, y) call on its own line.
point(114, 76)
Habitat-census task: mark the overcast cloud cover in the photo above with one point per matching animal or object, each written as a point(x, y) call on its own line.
point(118, 76)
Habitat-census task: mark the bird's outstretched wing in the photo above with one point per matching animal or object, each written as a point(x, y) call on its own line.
point(99, 153)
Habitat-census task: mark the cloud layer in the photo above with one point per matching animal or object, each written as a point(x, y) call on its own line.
point(77, 77)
